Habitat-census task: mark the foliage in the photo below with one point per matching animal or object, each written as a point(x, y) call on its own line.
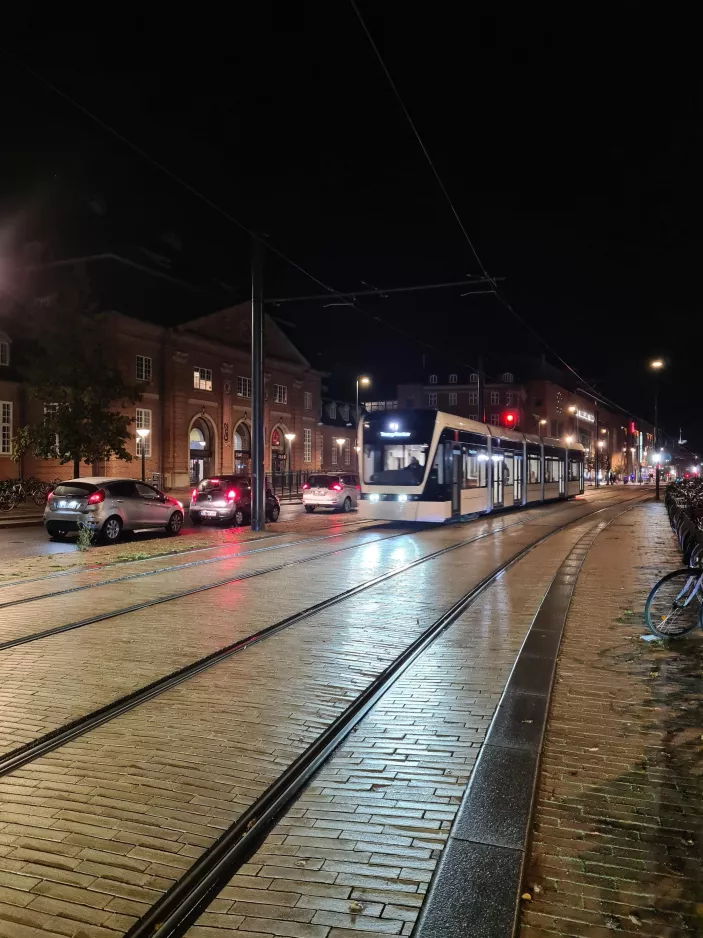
point(69, 369)
point(85, 537)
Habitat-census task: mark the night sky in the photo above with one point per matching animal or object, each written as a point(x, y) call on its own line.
point(572, 149)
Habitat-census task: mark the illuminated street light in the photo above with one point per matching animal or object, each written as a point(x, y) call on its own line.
point(656, 364)
point(601, 444)
point(569, 439)
point(143, 433)
point(364, 381)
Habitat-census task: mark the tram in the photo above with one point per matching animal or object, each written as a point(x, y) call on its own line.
point(425, 465)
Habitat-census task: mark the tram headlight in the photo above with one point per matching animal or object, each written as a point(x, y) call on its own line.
point(374, 497)
point(402, 498)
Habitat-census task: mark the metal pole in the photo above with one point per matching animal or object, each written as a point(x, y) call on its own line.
point(356, 452)
point(258, 474)
point(596, 456)
point(656, 439)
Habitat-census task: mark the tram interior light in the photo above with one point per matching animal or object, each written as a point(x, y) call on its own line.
point(496, 457)
point(402, 498)
point(482, 457)
point(374, 497)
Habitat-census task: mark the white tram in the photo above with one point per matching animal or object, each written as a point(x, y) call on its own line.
point(424, 465)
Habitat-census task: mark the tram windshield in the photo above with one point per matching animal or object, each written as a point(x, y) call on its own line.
point(395, 463)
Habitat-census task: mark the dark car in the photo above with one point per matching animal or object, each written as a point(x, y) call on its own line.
point(228, 499)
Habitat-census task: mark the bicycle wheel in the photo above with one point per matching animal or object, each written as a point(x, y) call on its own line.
point(674, 605)
point(7, 501)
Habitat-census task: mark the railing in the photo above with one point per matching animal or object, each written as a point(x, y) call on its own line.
point(288, 484)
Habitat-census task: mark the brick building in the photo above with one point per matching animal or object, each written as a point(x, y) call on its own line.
point(195, 384)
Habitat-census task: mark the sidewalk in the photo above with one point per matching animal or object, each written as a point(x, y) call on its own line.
point(617, 840)
point(22, 516)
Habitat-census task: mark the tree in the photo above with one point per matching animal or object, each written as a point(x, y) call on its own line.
point(70, 371)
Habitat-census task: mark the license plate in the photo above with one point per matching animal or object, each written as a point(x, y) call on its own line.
point(68, 504)
point(210, 514)
point(320, 491)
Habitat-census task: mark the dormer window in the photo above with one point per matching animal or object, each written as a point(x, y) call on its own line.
point(433, 379)
point(452, 379)
point(508, 377)
point(474, 378)
point(333, 410)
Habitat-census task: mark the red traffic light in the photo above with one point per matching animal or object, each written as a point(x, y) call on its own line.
point(509, 419)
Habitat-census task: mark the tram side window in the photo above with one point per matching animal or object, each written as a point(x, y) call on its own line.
point(574, 473)
point(553, 468)
point(475, 468)
point(534, 469)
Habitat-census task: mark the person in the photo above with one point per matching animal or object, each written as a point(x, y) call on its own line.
point(415, 469)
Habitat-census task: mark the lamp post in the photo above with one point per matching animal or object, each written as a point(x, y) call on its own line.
point(364, 381)
point(290, 437)
point(542, 423)
point(656, 365)
point(143, 433)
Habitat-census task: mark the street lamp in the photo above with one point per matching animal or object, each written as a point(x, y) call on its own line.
point(143, 433)
point(340, 443)
point(569, 439)
point(364, 381)
point(656, 365)
point(542, 423)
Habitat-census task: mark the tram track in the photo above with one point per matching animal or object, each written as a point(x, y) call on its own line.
point(179, 908)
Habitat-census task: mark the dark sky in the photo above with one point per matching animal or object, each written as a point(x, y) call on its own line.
point(571, 147)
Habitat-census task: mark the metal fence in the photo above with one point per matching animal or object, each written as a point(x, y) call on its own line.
point(288, 484)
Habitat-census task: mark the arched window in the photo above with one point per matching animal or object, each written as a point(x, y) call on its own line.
point(452, 379)
point(474, 378)
point(433, 379)
point(333, 410)
point(508, 377)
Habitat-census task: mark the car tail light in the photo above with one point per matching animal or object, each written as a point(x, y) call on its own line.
point(337, 487)
point(96, 497)
point(358, 488)
point(305, 485)
point(232, 494)
point(194, 495)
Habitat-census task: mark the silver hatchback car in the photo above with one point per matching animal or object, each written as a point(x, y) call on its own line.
point(109, 506)
point(335, 490)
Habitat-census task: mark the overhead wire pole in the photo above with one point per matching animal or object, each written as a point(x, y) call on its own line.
point(258, 469)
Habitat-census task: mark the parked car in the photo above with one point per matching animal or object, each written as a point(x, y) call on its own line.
point(335, 490)
point(109, 506)
point(228, 499)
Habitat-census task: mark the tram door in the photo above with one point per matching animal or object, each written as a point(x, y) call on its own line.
point(456, 482)
point(517, 480)
point(497, 481)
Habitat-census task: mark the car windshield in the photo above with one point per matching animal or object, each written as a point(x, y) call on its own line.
point(221, 482)
point(394, 463)
point(322, 482)
point(74, 489)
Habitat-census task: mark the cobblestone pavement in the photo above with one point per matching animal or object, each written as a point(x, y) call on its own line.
point(92, 834)
point(618, 837)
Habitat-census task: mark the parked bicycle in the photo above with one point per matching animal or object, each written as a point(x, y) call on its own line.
point(15, 491)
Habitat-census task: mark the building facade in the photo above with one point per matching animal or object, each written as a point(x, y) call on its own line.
point(195, 385)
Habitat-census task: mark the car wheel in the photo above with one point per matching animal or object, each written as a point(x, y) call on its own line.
point(309, 509)
point(196, 519)
point(175, 523)
point(112, 529)
point(238, 518)
point(275, 512)
point(347, 506)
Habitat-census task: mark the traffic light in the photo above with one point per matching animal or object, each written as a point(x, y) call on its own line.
point(509, 419)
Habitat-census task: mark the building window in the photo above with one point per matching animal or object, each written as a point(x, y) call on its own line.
point(507, 377)
point(473, 397)
point(473, 416)
point(5, 428)
point(4, 352)
point(333, 410)
point(495, 397)
point(474, 378)
point(320, 450)
point(432, 399)
point(53, 409)
point(347, 452)
point(452, 398)
point(433, 379)
point(452, 379)
point(509, 398)
point(202, 379)
point(307, 444)
point(335, 447)
point(495, 420)
point(143, 368)
point(280, 394)
point(344, 412)
point(307, 400)
point(143, 422)
point(243, 387)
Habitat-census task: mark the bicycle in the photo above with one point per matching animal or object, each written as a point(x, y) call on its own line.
point(675, 604)
point(20, 490)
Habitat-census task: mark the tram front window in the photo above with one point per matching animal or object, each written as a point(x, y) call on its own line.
point(394, 463)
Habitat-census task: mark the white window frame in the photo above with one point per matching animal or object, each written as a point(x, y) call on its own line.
point(146, 368)
point(307, 400)
point(473, 397)
point(508, 377)
point(202, 378)
point(6, 428)
point(452, 379)
point(495, 397)
point(433, 379)
point(347, 452)
point(307, 444)
point(4, 353)
point(280, 394)
point(141, 420)
point(432, 399)
point(473, 379)
point(452, 398)
point(495, 420)
point(334, 452)
point(320, 440)
point(243, 386)
point(333, 410)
